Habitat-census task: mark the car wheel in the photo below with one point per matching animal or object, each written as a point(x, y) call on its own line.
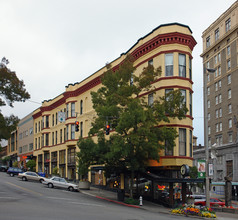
point(50, 185)
point(24, 178)
point(11, 174)
point(71, 189)
point(41, 180)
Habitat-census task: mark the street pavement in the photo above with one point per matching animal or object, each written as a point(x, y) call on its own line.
point(147, 205)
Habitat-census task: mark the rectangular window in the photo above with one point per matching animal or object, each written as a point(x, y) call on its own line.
point(216, 98)
point(56, 118)
point(81, 129)
point(168, 150)
point(190, 68)
point(220, 99)
point(39, 146)
point(229, 94)
point(216, 34)
point(53, 138)
point(67, 132)
point(228, 51)
point(208, 41)
point(220, 112)
point(208, 116)
point(56, 137)
point(219, 71)
point(217, 113)
point(47, 121)
point(220, 126)
point(81, 107)
point(53, 120)
point(228, 64)
point(182, 142)
point(228, 24)
point(61, 136)
point(150, 99)
point(182, 65)
point(72, 131)
point(67, 110)
point(208, 77)
point(216, 74)
point(73, 109)
point(191, 143)
point(42, 122)
point(35, 127)
point(215, 59)
point(35, 143)
point(208, 90)
point(219, 83)
point(219, 57)
point(229, 108)
point(209, 130)
point(229, 79)
point(190, 104)
point(169, 63)
point(217, 127)
point(47, 139)
point(216, 86)
point(183, 93)
point(230, 123)
point(208, 104)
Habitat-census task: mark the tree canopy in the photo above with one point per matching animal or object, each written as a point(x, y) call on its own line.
point(11, 90)
point(137, 127)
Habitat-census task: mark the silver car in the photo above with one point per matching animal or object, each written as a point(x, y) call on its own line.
point(60, 183)
point(30, 176)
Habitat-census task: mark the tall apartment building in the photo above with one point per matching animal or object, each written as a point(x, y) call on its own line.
point(220, 44)
point(168, 46)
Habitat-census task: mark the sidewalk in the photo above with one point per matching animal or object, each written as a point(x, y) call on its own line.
point(147, 205)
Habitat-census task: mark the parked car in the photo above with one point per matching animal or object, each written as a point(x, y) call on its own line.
point(3, 168)
point(213, 202)
point(30, 176)
point(60, 183)
point(197, 198)
point(12, 171)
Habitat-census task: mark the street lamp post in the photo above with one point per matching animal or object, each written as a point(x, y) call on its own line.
point(206, 137)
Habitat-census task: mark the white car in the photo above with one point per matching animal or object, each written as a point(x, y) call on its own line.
point(30, 176)
point(59, 182)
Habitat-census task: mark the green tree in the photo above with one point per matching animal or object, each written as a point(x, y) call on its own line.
point(137, 138)
point(11, 90)
point(31, 164)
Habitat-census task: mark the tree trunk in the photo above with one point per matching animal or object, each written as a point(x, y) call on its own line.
point(132, 183)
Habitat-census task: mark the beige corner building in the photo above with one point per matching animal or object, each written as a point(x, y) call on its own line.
point(170, 47)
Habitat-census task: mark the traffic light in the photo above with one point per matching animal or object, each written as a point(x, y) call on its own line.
point(77, 126)
point(107, 129)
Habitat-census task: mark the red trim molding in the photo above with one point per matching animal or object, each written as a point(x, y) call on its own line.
point(159, 40)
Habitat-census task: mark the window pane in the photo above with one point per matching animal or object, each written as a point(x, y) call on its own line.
point(169, 61)
point(182, 142)
point(182, 65)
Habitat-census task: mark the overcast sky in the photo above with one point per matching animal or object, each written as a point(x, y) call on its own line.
point(51, 43)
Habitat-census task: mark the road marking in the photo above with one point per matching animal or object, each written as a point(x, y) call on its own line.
point(88, 204)
point(58, 198)
point(23, 188)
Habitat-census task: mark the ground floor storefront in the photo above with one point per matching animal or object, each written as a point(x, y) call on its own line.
point(60, 161)
point(165, 186)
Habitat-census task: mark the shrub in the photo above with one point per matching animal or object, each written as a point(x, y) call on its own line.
point(131, 201)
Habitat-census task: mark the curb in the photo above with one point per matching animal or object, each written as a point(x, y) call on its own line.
point(117, 202)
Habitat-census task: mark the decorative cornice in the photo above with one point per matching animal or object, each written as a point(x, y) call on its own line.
point(159, 40)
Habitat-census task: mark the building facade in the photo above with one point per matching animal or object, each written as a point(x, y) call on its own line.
point(168, 46)
point(25, 140)
point(220, 54)
point(12, 149)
